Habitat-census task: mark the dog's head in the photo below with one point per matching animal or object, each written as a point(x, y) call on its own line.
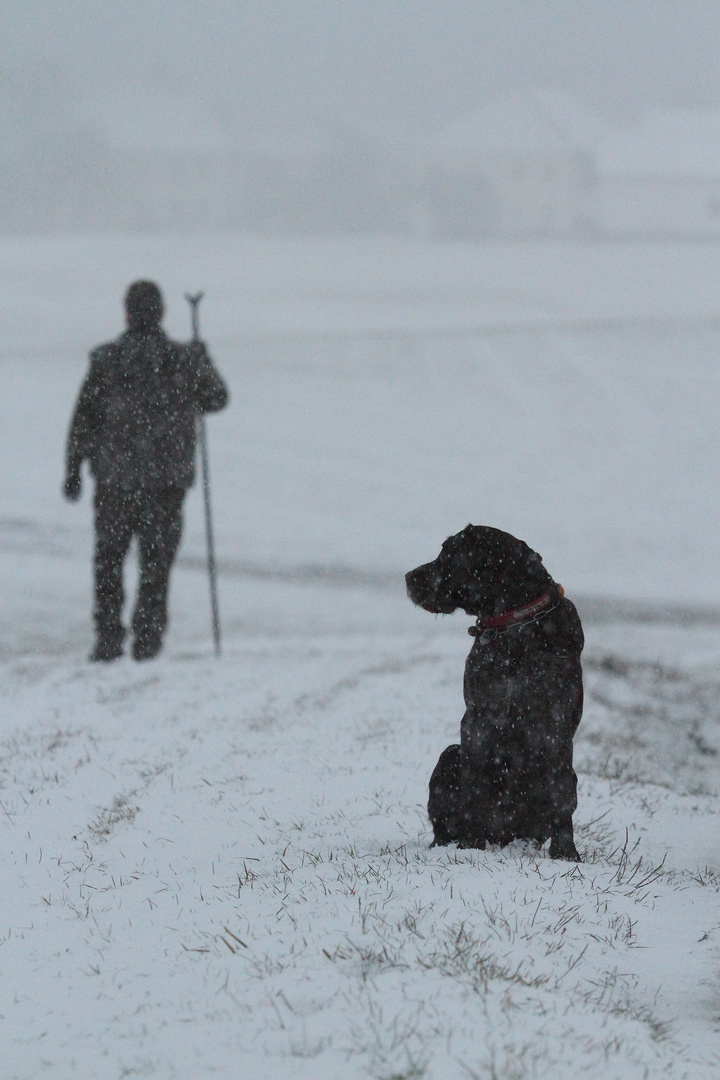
point(482, 570)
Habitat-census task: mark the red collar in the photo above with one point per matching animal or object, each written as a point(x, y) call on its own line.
point(488, 629)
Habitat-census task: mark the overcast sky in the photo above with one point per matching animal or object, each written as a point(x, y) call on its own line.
point(392, 63)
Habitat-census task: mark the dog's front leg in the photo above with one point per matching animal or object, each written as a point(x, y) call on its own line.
point(562, 789)
point(562, 844)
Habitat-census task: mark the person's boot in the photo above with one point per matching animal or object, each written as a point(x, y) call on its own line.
point(148, 625)
point(146, 646)
point(105, 651)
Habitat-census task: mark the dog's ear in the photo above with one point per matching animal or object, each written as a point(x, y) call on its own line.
point(508, 572)
point(519, 556)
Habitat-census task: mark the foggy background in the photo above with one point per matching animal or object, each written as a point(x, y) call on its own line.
point(470, 120)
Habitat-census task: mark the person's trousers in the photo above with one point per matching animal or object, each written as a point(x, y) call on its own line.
point(155, 517)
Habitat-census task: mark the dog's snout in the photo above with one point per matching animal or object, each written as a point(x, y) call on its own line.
point(424, 587)
point(413, 584)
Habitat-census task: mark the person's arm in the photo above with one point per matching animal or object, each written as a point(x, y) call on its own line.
point(82, 429)
point(210, 390)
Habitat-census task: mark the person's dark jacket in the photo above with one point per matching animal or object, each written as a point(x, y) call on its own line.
point(135, 416)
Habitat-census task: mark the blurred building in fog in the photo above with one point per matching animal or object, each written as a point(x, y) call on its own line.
point(661, 178)
point(530, 165)
point(522, 166)
point(163, 164)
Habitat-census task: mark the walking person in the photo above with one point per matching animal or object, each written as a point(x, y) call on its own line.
point(135, 423)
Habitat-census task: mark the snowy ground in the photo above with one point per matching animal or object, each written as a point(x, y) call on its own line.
point(221, 868)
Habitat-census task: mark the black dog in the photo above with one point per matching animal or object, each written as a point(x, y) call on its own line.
point(512, 775)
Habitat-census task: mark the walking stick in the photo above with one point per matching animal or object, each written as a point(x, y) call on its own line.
point(194, 302)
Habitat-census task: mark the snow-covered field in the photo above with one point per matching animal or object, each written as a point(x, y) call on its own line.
point(221, 867)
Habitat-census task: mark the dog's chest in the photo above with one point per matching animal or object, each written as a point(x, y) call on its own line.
point(516, 672)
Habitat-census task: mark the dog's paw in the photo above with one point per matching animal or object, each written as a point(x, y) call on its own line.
point(564, 849)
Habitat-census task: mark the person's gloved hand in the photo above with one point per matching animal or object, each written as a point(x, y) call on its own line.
point(197, 350)
point(72, 487)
